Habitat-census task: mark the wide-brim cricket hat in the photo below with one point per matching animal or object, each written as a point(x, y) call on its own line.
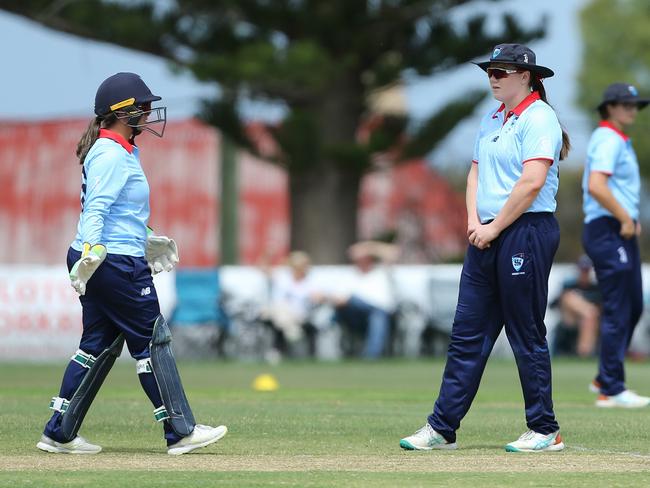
point(622, 93)
point(516, 55)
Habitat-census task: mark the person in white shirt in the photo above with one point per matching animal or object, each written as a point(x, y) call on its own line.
point(366, 302)
point(291, 302)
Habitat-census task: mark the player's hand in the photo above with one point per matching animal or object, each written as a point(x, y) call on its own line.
point(91, 258)
point(638, 229)
point(628, 229)
point(161, 253)
point(472, 224)
point(483, 235)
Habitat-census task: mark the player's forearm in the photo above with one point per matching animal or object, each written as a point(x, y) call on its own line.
point(604, 196)
point(470, 194)
point(522, 197)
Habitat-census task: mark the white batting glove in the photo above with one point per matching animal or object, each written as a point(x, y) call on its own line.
point(161, 253)
point(91, 258)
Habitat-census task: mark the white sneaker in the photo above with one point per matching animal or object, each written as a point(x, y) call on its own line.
point(594, 386)
point(532, 441)
point(426, 439)
point(625, 399)
point(78, 445)
point(201, 436)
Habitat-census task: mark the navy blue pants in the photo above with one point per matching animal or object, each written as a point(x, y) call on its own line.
point(120, 298)
point(618, 268)
point(506, 283)
point(358, 314)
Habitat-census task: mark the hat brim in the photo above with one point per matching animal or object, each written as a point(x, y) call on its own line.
point(542, 71)
point(641, 103)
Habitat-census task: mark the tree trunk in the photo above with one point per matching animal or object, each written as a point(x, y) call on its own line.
point(324, 194)
point(324, 212)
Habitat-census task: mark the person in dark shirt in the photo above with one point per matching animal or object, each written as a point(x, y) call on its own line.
point(579, 306)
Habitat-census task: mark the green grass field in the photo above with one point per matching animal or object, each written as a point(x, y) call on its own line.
point(329, 424)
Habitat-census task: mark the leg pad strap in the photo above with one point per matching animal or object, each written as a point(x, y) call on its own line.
point(160, 414)
point(143, 366)
point(85, 359)
point(59, 404)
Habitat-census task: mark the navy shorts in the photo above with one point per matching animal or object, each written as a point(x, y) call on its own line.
point(120, 297)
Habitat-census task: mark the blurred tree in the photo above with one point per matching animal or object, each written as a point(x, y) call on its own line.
point(616, 39)
point(569, 215)
point(321, 59)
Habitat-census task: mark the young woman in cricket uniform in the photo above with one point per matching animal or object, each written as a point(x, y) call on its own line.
point(513, 237)
point(111, 262)
point(611, 189)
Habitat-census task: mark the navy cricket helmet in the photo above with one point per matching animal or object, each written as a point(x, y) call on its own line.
point(129, 98)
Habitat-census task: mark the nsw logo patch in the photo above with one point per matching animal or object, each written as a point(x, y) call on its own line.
point(517, 263)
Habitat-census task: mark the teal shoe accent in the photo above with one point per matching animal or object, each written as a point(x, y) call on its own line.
point(404, 444)
point(510, 448)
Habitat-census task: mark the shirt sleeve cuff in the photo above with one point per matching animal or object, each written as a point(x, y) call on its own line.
point(539, 158)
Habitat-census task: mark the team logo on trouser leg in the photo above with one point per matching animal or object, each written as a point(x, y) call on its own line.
point(517, 263)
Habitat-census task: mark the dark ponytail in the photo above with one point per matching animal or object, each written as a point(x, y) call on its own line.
point(91, 135)
point(538, 86)
point(88, 139)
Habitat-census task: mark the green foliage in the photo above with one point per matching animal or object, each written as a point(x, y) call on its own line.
point(303, 53)
point(441, 123)
point(569, 215)
point(387, 134)
point(299, 140)
point(223, 113)
point(616, 39)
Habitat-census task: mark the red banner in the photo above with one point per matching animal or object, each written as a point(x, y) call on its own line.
point(41, 180)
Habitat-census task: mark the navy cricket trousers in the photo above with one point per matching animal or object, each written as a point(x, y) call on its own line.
point(617, 263)
point(120, 298)
point(505, 284)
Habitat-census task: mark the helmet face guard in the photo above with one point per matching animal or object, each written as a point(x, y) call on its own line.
point(133, 117)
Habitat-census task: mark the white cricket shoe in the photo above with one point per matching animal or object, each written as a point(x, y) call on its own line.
point(532, 441)
point(426, 439)
point(78, 445)
point(625, 399)
point(201, 436)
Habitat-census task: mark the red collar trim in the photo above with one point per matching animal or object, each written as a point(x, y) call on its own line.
point(114, 136)
point(609, 125)
point(525, 103)
point(500, 109)
point(519, 109)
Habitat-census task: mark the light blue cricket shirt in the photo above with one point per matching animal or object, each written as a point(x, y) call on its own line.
point(505, 143)
point(114, 197)
point(610, 151)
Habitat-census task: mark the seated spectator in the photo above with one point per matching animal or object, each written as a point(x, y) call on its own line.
point(579, 306)
point(290, 304)
point(365, 303)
